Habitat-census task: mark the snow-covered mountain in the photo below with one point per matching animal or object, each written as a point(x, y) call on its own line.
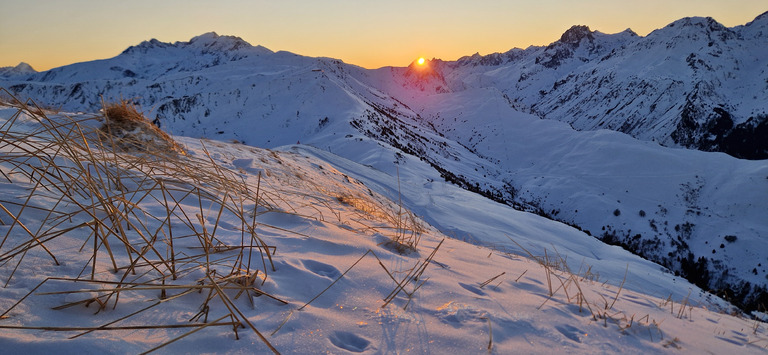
point(699, 214)
point(19, 70)
point(694, 83)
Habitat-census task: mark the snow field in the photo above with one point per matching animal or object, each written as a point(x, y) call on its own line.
point(179, 228)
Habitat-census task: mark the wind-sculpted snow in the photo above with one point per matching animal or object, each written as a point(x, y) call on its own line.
point(694, 83)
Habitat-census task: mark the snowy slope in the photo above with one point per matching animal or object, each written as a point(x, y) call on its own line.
point(698, 214)
point(327, 292)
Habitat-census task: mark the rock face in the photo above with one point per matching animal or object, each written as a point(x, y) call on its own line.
point(575, 34)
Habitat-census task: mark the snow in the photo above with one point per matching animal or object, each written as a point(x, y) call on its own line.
point(328, 219)
point(468, 119)
point(378, 147)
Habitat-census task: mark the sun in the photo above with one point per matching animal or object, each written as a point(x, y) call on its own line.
point(420, 61)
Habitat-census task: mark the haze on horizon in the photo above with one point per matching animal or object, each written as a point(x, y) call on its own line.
point(48, 34)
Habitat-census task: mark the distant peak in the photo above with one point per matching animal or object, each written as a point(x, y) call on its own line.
point(575, 34)
point(707, 23)
point(144, 46)
point(205, 37)
point(21, 69)
point(207, 42)
point(24, 68)
point(629, 31)
point(698, 28)
point(222, 43)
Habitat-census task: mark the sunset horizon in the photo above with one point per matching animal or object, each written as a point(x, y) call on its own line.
point(386, 34)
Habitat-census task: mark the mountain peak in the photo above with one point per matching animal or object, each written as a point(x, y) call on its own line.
point(144, 46)
point(214, 41)
point(24, 68)
point(706, 23)
point(575, 34)
point(207, 42)
point(211, 41)
point(206, 37)
point(20, 69)
point(629, 32)
point(696, 29)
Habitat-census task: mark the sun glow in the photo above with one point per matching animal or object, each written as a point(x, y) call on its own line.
point(420, 61)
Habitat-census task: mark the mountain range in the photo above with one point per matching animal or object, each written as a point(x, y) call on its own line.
point(618, 135)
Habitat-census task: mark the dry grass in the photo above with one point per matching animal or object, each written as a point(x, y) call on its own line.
point(108, 183)
point(402, 228)
point(128, 129)
point(408, 230)
point(560, 278)
point(106, 177)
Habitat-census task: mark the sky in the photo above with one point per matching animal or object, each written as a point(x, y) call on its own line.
point(371, 34)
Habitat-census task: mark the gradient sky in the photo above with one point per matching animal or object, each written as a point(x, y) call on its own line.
point(371, 34)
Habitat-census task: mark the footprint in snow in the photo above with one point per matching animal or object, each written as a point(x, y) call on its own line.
point(246, 165)
point(456, 313)
point(349, 341)
point(472, 289)
point(321, 269)
point(533, 287)
point(570, 332)
point(242, 163)
point(732, 341)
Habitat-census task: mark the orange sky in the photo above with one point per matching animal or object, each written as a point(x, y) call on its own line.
point(371, 34)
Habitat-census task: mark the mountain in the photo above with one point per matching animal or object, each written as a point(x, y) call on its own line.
point(476, 122)
point(20, 70)
point(693, 83)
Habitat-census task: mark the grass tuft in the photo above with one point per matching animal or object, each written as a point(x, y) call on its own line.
point(129, 130)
